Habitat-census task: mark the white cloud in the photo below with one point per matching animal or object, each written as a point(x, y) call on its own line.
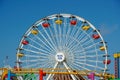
point(108, 29)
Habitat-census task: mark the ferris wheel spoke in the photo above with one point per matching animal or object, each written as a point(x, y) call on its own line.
point(80, 60)
point(91, 56)
point(42, 46)
point(83, 34)
point(56, 33)
point(45, 43)
point(69, 42)
point(75, 34)
point(85, 51)
point(35, 60)
point(70, 46)
point(46, 66)
point(95, 61)
point(44, 63)
point(73, 44)
point(93, 45)
point(40, 64)
point(96, 67)
point(73, 30)
point(37, 57)
point(41, 58)
point(78, 30)
point(31, 65)
point(32, 56)
point(41, 53)
point(64, 31)
point(77, 49)
point(50, 39)
point(83, 60)
point(46, 40)
point(60, 37)
point(33, 51)
point(29, 50)
point(66, 66)
point(88, 52)
point(38, 48)
point(85, 38)
point(52, 36)
point(85, 48)
point(73, 65)
point(79, 66)
point(68, 32)
point(88, 56)
point(88, 42)
point(92, 51)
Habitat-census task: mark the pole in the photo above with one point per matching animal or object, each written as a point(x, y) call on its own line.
point(9, 75)
point(40, 74)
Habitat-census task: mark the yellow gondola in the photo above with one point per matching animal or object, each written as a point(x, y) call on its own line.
point(102, 48)
point(20, 55)
point(117, 55)
point(86, 28)
point(58, 21)
point(35, 32)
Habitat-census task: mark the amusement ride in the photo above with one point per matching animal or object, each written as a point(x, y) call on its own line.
point(61, 47)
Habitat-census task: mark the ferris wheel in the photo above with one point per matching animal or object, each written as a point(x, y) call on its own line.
point(63, 41)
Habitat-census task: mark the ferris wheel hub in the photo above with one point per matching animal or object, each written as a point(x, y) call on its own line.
point(60, 57)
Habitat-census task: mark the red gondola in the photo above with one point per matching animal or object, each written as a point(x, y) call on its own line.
point(73, 22)
point(106, 61)
point(25, 42)
point(96, 36)
point(45, 25)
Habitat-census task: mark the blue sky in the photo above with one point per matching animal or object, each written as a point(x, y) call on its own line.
point(16, 16)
